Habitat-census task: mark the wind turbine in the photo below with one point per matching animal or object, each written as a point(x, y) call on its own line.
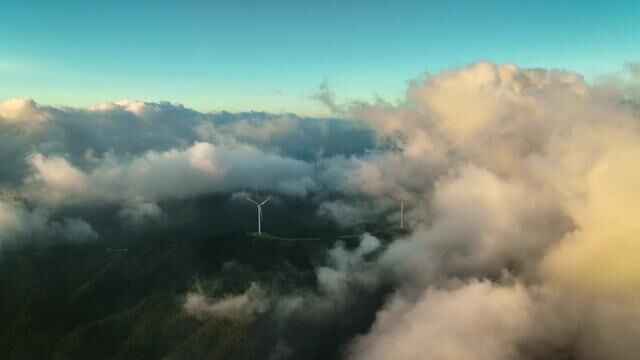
point(402, 198)
point(259, 206)
point(401, 213)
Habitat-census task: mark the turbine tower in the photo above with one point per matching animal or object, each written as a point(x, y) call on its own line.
point(259, 206)
point(402, 198)
point(401, 213)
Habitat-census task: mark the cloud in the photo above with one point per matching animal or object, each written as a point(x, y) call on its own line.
point(135, 156)
point(20, 225)
point(199, 169)
point(60, 178)
point(233, 306)
point(478, 224)
point(327, 97)
point(345, 267)
point(478, 320)
point(138, 211)
point(525, 172)
point(77, 230)
point(528, 170)
point(633, 68)
point(245, 129)
point(22, 114)
point(602, 197)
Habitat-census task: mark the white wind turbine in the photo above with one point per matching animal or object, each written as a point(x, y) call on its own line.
point(401, 213)
point(402, 198)
point(259, 206)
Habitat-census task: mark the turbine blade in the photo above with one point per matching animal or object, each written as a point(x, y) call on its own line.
point(253, 201)
point(265, 201)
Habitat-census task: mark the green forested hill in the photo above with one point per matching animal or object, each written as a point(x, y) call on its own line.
point(84, 302)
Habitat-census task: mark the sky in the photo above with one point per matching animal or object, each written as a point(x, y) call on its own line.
point(273, 55)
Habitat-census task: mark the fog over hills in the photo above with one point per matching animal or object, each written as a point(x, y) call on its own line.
point(125, 231)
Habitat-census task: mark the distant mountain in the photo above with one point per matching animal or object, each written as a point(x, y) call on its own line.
point(86, 302)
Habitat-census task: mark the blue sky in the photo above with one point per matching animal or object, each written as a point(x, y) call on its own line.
point(272, 55)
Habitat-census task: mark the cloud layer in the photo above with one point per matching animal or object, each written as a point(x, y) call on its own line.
point(521, 192)
point(528, 171)
point(135, 155)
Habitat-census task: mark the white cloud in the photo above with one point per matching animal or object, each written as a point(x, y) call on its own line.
point(529, 170)
point(23, 114)
point(56, 178)
point(138, 212)
point(525, 169)
point(233, 306)
point(21, 225)
point(478, 320)
point(201, 168)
